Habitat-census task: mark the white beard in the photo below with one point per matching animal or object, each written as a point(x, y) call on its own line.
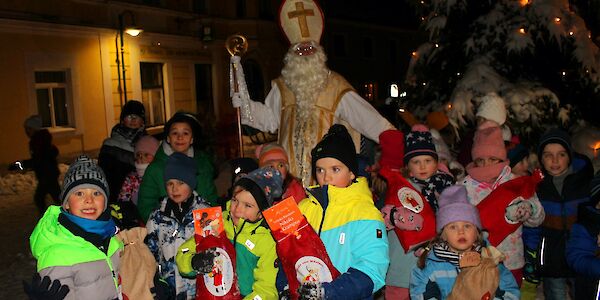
point(141, 168)
point(306, 76)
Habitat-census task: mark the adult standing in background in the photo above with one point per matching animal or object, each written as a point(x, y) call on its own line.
point(308, 97)
point(116, 156)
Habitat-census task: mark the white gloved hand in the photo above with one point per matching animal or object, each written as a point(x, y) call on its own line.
point(236, 100)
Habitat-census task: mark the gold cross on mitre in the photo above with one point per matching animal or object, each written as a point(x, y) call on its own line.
point(301, 20)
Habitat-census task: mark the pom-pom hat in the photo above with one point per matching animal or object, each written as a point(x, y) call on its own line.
point(492, 108)
point(418, 142)
point(265, 185)
point(454, 206)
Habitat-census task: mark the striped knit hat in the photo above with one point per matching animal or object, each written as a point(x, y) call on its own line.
point(418, 142)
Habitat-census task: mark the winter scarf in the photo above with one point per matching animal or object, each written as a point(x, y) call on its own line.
point(179, 211)
point(432, 185)
point(104, 226)
point(487, 174)
point(443, 251)
point(130, 134)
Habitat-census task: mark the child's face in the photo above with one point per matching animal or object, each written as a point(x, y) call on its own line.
point(143, 157)
point(178, 191)
point(86, 203)
point(180, 137)
point(555, 159)
point(486, 161)
point(331, 171)
point(460, 235)
point(422, 167)
point(244, 206)
point(278, 165)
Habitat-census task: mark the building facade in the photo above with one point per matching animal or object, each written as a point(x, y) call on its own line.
point(72, 62)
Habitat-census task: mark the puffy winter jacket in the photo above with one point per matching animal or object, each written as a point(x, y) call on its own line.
point(561, 214)
point(354, 235)
point(165, 235)
point(255, 258)
point(436, 280)
point(86, 270)
point(582, 252)
point(152, 188)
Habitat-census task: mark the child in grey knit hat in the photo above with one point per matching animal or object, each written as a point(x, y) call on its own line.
point(75, 243)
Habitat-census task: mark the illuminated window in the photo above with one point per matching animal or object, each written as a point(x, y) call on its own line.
point(153, 93)
point(53, 97)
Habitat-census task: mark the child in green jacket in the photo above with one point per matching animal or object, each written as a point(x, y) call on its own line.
point(245, 227)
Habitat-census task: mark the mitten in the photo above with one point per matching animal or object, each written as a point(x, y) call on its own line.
point(41, 289)
point(519, 211)
point(311, 291)
point(203, 262)
point(385, 213)
point(402, 218)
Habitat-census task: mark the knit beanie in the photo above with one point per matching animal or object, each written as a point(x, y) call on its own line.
point(492, 108)
point(34, 122)
point(265, 185)
point(517, 154)
point(84, 173)
point(181, 167)
point(555, 136)
point(337, 144)
point(133, 107)
point(488, 142)
point(418, 142)
point(392, 149)
point(146, 144)
point(437, 120)
point(269, 152)
point(454, 206)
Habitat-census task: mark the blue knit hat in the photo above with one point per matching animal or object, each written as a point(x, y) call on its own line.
point(418, 142)
point(517, 154)
point(181, 167)
point(454, 206)
point(265, 184)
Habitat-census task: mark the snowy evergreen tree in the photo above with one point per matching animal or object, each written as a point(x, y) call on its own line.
point(537, 54)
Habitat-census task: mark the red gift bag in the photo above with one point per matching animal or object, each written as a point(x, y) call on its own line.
point(302, 254)
point(401, 193)
point(492, 208)
point(221, 282)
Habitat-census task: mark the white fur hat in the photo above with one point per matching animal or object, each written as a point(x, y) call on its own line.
point(506, 133)
point(492, 108)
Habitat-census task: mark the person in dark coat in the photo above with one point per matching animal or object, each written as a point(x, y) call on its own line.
point(116, 157)
point(583, 249)
point(43, 162)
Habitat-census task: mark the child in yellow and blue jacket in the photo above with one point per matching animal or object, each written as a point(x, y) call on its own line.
point(341, 210)
point(246, 228)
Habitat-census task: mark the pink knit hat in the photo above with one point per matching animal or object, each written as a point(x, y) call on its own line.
point(270, 152)
point(488, 142)
point(147, 144)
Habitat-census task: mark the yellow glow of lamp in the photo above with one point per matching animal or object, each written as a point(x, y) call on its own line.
point(133, 31)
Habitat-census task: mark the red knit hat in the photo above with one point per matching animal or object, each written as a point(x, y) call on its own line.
point(488, 142)
point(270, 152)
point(392, 149)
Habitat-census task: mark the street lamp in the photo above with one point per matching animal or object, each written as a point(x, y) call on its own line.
point(134, 31)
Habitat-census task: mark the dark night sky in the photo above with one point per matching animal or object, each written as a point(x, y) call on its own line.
point(383, 12)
